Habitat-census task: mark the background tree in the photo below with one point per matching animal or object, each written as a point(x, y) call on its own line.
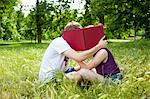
point(38, 22)
point(30, 26)
point(7, 19)
point(122, 16)
point(122, 19)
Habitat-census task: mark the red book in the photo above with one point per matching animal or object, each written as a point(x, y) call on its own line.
point(83, 39)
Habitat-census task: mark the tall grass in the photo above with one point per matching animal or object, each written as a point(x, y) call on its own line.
point(20, 64)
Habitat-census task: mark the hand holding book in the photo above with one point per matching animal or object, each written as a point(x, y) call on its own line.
point(102, 43)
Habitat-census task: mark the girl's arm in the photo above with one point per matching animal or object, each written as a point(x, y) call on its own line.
point(100, 57)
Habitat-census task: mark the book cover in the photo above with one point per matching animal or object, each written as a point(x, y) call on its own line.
point(92, 36)
point(83, 39)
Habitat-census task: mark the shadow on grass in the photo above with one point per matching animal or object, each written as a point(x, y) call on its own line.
point(4, 44)
point(22, 45)
point(112, 43)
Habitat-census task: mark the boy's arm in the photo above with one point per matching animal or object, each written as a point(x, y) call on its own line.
point(81, 56)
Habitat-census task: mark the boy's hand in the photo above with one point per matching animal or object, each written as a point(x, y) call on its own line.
point(89, 26)
point(83, 64)
point(100, 24)
point(102, 43)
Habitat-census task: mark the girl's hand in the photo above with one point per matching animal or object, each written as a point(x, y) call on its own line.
point(103, 43)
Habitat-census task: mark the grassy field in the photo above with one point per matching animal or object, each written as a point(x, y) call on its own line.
point(20, 64)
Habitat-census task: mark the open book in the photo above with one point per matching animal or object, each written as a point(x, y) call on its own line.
point(83, 39)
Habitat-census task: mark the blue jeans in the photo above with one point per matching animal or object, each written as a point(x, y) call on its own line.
point(117, 76)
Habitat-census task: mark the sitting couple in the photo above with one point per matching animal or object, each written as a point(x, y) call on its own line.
point(58, 52)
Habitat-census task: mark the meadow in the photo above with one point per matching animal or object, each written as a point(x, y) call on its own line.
point(20, 64)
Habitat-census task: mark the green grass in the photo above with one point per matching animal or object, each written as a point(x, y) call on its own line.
point(20, 64)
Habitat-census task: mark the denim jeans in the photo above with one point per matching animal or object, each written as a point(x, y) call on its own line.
point(117, 76)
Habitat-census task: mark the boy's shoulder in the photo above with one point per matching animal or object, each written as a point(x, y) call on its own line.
point(58, 39)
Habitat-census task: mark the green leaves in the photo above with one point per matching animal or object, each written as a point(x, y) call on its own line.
point(122, 15)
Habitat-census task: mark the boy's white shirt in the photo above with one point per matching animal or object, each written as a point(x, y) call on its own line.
point(53, 59)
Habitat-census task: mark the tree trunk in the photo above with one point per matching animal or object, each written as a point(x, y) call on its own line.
point(39, 31)
point(135, 33)
point(1, 26)
point(101, 18)
point(147, 33)
point(19, 20)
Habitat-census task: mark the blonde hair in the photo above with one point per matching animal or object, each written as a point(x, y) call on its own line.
point(73, 25)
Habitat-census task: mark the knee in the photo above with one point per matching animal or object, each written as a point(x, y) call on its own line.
point(73, 76)
point(83, 71)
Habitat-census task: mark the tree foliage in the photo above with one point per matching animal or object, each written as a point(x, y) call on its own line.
point(7, 19)
point(121, 19)
point(123, 15)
